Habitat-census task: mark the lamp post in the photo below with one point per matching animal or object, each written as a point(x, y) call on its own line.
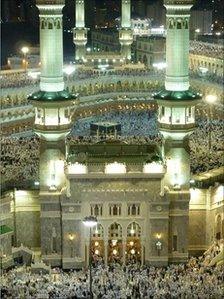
point(90, 222)
point(210, 99)
point(25, 51)
point(158, 244)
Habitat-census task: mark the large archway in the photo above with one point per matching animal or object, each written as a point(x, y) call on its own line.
point(133, 245)
point(115, 251)
point(97, 243)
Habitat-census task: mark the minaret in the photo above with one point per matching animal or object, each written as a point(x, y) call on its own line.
point(176, 120)
point(53, 109)
point(80, 32)
point(125, 32)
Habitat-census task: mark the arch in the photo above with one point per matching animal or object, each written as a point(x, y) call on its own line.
point(218, 227)
point(134, 230)
point(98, 231)
point(115, 231)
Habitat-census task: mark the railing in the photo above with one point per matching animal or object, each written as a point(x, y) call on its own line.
point(52, 127)
point(177, 126)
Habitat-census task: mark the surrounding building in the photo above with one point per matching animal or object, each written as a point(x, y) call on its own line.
point(151, 50)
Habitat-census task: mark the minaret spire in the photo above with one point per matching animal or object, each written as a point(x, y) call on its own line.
point(80, 31)
point(125, 32)
point(51, 47)
point(177, 44)
point(176, 118)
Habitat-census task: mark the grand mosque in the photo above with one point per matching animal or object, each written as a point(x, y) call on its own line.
point(148, 205)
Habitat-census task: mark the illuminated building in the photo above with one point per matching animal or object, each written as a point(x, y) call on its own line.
point(140, 193)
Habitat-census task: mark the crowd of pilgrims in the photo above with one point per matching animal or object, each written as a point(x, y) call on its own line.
point(20, 155)
point(206, 49)
point(193, 280)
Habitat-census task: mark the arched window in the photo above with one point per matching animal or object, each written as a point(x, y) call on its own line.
point(115, 231)
point(50, 25)
point(134, 230)
point(98, 231)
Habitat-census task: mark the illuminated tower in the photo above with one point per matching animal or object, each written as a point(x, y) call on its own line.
point(125, 32)
point(53, 109)
point(80, 32)
point(176, 120)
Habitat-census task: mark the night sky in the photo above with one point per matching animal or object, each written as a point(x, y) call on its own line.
point(15, 34)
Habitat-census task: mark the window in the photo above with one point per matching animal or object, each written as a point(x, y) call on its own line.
point(97, 210)
point(115, 210)
point(175, 243)
point(134, 209)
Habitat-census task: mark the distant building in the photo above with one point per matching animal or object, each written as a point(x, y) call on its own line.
point(201, 20)
point(150, 50)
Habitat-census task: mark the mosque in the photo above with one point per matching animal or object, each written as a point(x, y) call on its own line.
point(139, 192)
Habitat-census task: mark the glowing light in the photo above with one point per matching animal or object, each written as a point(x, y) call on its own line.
point(71, 237)
point(211, 99)
point(132, 251)
point(34, 75)
point(158, 236)
point(114, 251)
point(114, 242)
point(153, 168)
point(97, 251)
point(25, 50)
point(90, 221)
point(115, 168)
point(96, 243)
point(132, 231)
point(159, 65)
point(69, 69)
point(197, 30)
point(204, 70)
point(77, 168)
point(131, 243)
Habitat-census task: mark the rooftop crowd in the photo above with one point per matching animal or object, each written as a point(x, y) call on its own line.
point(206, 49)
point(19, 159)
point(191, 281)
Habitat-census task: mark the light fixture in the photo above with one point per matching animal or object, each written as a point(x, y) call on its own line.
point(114, 251)
point(131, 243)
point(132, 251)
point(96, 243)
point(97, 251)
point(114, 242)
point(71, 237)
point(25, 50)
point(158, 236)
point(211, 99)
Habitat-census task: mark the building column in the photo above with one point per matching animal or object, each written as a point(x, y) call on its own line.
point(105, 250)
point(142, 251)
point(123, 250)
